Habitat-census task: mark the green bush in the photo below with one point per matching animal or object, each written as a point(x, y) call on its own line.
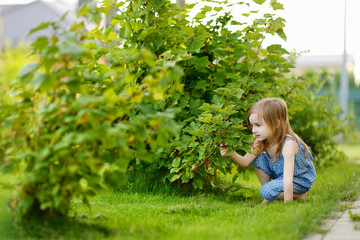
point(319, 123)
point(73, 123)
point(225, 72)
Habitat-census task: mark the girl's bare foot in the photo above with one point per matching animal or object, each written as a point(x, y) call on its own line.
point(300, 196)
point(265, 201)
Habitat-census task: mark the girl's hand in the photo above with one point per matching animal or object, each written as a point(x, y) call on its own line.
point(242, 161)
point(223, 151)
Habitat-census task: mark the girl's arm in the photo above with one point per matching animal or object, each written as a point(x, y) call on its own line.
point(242, 161)
point(289, 151)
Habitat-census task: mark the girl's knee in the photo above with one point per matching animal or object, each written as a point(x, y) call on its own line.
point(269, 193)
point(265, 193)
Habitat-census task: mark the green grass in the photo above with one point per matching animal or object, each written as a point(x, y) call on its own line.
point(354, 216)
point(352, 150)
point(351, 147)
point(130, 215)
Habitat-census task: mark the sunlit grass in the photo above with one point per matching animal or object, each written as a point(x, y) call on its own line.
point(131, 215)
point(351, 147)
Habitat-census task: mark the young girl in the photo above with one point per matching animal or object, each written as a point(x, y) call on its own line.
point(282, 161)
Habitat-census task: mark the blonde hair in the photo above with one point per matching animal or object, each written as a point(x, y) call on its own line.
point(273, 111)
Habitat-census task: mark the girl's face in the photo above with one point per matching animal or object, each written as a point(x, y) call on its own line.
point(259, 129)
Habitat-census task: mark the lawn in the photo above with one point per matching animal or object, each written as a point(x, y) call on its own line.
point(351, 147)
point(131, 215)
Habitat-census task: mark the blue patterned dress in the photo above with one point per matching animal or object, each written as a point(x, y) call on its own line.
point(304, 173)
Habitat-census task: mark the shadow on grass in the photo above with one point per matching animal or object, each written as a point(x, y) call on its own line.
point(59, 228)
point(141, 180)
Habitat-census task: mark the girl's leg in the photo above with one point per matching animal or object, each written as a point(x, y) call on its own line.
point(300, 192)
point(298, 196)
point(262, 176)
point(272, 190)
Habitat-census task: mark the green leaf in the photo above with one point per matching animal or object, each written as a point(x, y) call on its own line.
point(198, 183)
point(246, 175)
point(115, 178)
point(280, 32)
point(157, 39)
point(108, 30)
point(238, 93)
point(229, 150)
point(217, 100)
point(194, 103)
point(123, 160)
point(194, 129)
point(233, 22)
point(110, 97)
point(63, 16)
point(74, 83)
point(276, 5)
point(40, 27)
point(205, 107)
point(259, 1)
point(176, 162)
point(200, 15)
point(159, 3)
point(27, 69)
point(40, 43)
point(222, 162)
point(74, 49)
point(253, 36)
point(223, 91)
point(234, 178)
point(221, 53)
point(202, 62)
point(41, 81)
point(278, 23)
point(112, 36)
point(206, 9)
point(146, 32)
point(175, 177)
point(26, 202)
point(196, 45)
point(83, 10)
point(8, 167)
point(276, 48)
point(206, 118)
point(184, 101)
point(202, 84)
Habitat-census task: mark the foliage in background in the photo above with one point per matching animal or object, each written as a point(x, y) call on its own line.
point(152, 86)
point(318, 121)
point(334, 79)
point(331, 86)
point(12, 60)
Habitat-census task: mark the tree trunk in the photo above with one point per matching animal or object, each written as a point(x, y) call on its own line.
point(181, 3)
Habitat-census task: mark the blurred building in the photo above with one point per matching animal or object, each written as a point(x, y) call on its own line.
point(333, 65)
point(318, 63)
point(19, 19)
